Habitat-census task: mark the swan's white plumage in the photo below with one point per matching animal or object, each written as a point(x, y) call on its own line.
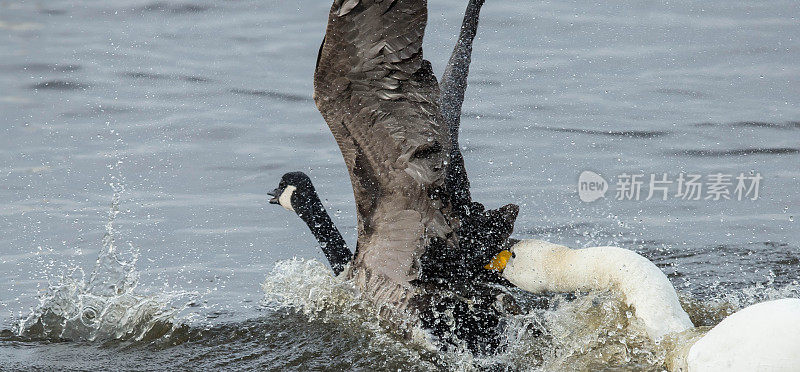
point(539, 266)
point(760, 337)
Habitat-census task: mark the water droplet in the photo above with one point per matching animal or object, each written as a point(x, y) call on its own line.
point(88, 316)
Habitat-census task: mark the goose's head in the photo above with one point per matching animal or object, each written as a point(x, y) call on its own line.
point(295, 192)
point(525, 263)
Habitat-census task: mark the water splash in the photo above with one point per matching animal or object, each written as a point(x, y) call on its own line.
point(309, 287)
point(597, 330)
point(577, 332)
point(106, 306)
point(585, 331)
point(592, 330)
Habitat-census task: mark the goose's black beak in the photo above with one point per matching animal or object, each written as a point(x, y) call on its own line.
point(274, 194)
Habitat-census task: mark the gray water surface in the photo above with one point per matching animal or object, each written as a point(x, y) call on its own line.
point(198, 108)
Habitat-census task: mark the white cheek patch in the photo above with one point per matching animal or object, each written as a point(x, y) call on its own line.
point(286, 198)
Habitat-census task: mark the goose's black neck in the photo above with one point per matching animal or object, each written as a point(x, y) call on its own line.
point(313, 213)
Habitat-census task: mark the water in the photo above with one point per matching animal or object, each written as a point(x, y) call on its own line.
point(156, 128)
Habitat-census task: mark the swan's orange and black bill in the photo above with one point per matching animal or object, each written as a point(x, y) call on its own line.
point(499, 261)
point(274, 194)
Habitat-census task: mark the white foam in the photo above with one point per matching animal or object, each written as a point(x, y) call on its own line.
point(309, 287)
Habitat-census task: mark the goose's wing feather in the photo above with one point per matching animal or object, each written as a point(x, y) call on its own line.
point(454, 79)
point(380, 100)
point(373, 87)
point(453, 87)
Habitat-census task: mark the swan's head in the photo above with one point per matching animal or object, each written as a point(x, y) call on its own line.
point(524, 264)
point(295, 192)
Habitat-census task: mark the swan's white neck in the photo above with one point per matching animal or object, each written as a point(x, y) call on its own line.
point(539, 266)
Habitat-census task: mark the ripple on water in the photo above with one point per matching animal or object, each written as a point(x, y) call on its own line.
point(714, 153)
point(786, 125)
point(51, 67)
point(156, 76)
point(280, 96)
point(646, 134)
point(167, 7)
point(682, 93)
point(63, 85)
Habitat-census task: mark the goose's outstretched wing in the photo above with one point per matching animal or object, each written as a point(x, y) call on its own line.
point(454, 79)
point(380, 99)
point(454, 86)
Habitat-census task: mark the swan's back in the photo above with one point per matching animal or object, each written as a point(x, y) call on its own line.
point(761, 337)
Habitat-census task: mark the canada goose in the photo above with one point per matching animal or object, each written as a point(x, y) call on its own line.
point(382, 103)
point(422, 242)
point(454, 83)
point(296, 193)
point(763, 337)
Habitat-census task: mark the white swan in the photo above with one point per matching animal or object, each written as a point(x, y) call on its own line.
point(539, 266)
point(761, 337)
